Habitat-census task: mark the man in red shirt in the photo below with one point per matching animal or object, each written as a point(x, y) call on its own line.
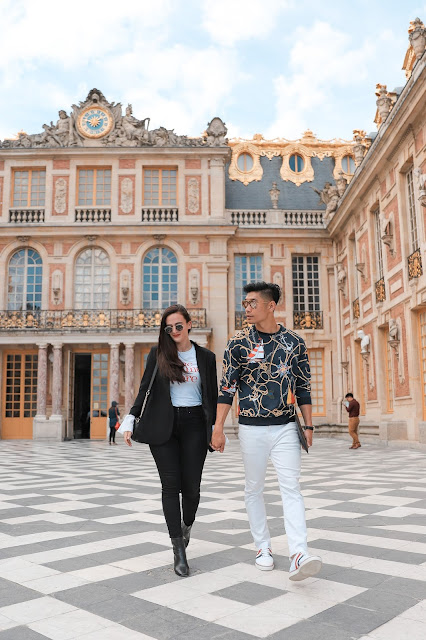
point(352, 407)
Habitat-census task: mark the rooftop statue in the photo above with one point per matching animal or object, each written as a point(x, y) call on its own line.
point(329, 195)
point(97, 122)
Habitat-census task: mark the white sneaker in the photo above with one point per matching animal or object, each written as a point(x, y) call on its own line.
point(304, 566)
point(264, 560)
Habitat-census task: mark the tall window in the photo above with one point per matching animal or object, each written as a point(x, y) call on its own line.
point(94, 187)
point(92, 280)
point(316, 361)
point(306, 289)
point(422, 326)
point(29, 188)
point(414, 237)
point(160, 273)
point(24, 281)
point(355, 268)
point(159, 187)
point(378, 244)
point(247, 269)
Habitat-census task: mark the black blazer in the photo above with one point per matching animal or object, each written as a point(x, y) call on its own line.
point(158, 414)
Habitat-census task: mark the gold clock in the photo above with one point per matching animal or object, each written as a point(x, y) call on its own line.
point(94, 122)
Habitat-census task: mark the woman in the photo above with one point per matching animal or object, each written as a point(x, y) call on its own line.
point(178, 419)
point(113, 414)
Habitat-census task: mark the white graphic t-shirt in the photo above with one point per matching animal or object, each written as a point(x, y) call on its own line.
point(188, 393)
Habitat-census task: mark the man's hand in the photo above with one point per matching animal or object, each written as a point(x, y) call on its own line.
point(218, 440)
point(309, 435)
point(127, 436)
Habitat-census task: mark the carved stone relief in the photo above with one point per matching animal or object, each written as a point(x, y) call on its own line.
point(193, 195)
point(194, 285)
point(60, 195)
point(97, 122)
point(126, 200)
point(57, 287)
point(125, 287)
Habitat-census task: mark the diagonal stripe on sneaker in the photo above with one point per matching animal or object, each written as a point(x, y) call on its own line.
point(304, 566)
point(264, 559)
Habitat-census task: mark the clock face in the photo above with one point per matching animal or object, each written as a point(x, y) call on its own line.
point(94, 122)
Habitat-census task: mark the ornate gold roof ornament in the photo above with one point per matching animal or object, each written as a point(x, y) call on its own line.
point(308, 147)
point(417, 38)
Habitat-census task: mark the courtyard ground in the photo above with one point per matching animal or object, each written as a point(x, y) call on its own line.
point(84, 551)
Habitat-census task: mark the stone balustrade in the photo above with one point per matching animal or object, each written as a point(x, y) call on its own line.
point(155, 215)
point(276, 218)
point(93, 214)
point(26, 216)
point(110, 320)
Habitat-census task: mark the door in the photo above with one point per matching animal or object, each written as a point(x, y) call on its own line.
point(99, 396)
point(19, 394)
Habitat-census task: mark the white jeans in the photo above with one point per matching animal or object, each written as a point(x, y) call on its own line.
point(281, 444)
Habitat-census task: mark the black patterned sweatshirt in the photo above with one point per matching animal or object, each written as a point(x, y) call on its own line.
point(270, 371)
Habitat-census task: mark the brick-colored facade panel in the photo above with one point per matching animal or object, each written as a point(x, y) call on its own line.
point(62, 269)
point(418, 142)
point(126, 163)
point(204, 247)
point(192, 163)
point(61, 163)
point(197, 267)
point(278, 277)
point(1, 165)
point(131, 269)
point(396, 285)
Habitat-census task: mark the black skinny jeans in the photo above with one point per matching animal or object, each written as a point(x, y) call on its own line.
point(180, 463)
point(112, 433)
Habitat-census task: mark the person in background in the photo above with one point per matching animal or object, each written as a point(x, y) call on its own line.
point(177, 419)
point(352, 407)
point(113, 414)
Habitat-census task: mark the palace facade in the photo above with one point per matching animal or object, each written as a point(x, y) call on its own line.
point(105, 222)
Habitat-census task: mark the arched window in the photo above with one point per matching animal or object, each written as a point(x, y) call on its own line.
point(24, 280)
point(348, 164)
point(296, 163)
point(160, 287)
point(92, 280)
point(245, 162)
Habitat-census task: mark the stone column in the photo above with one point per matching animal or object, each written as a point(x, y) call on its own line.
point(129, 371)
point(217, 187)
point(42, 380)
point(114, 370)
point(57, 381)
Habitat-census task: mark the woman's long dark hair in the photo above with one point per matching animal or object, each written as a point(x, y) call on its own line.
point(169, 364)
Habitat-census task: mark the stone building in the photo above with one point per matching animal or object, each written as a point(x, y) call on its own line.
point(105, 222)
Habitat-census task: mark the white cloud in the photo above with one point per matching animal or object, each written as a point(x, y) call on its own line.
point(228, 21)
point(321, 63)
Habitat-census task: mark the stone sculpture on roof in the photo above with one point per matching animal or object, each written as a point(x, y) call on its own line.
point(329, 195)
point(97, 122)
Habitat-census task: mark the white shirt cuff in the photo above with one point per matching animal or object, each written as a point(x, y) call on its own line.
point(127, 424)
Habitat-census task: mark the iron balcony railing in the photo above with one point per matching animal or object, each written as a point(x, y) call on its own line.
point(415, 267)
point(380, 290)
point(308, 320)
point(89, 320)
point(240, 320)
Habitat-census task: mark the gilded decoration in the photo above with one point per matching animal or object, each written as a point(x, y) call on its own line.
point(308, 146)
point(356, 309)
point(307, 320)
point(415, 267)
point(380, 290)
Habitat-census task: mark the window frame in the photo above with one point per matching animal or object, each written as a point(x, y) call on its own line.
point(379, 248)
point(321, 387)
point(95, 170)
point(297, 155)
point(316, 304)
point(242, 155)
point(30, 170)
point(38, 266)
point(172, 295)
point(413, 229)
point(347, 170)
point(160, 170)
point(94, 305)
point(251, 268)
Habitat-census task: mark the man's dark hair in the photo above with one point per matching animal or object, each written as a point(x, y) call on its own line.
point(349, 395)
point(269, 290)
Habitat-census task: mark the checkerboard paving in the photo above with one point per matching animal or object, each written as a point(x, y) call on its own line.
point(84, 550)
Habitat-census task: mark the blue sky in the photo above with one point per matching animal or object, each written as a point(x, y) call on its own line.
point(274, 67)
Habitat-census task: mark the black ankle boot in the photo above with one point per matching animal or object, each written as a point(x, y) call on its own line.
point(180, 564)
point(186, 533)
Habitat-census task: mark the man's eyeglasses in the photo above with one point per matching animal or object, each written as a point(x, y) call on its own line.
point(252, 303)
point(169, 328)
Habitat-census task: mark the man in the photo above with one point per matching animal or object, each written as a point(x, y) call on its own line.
point(352, 407)
point(268, 366)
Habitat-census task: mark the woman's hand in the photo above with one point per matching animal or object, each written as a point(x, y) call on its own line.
point(127, 436)
point(218, 440)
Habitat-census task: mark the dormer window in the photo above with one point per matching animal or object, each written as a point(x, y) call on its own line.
point(245, 162)
point(296, 163)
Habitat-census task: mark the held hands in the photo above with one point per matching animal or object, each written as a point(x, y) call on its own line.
point(127, 436)
point(218, 440)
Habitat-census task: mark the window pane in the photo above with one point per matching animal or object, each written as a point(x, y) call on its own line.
point(247, 269)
